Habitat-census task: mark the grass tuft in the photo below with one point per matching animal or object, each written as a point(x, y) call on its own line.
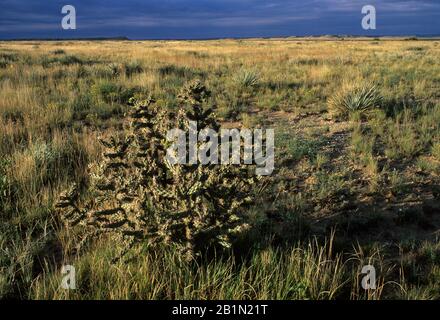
point(354, 99)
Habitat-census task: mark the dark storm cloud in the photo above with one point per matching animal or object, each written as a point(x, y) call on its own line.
point(215, 18)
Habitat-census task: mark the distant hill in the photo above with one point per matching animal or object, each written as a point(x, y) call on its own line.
point(312, 36)
point(69, 39)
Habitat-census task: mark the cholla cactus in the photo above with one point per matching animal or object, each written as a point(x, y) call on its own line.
point(140, 196)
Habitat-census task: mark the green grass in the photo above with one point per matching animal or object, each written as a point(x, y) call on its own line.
point(302, 272)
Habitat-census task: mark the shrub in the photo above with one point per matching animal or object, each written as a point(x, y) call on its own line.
point(6, 59)
point(362, 147)
point(113, 93)
point(133, 68)
point(68, 60)
point(352, 99)
point(81, 105)
point(55, 159)
point(104, 111)
point(426, 165)
point(308, 61)
point(231, 105)
point(58, 51)
point(58, 115)
point(108, 91)
point(81, 72)
point(60, 74)
point(45, 61)
point(115, 69)
point(173, 70)
point(247, 79)
point(38, 78)
point(13, 115)
point(436, 150)
point(328, 185)
point(103, 71)
point(416, 49)
point(396, 181)
point(9, 57)
point(402, 139)
point(140, 196)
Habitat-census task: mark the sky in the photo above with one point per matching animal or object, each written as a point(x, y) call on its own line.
point(204, 19)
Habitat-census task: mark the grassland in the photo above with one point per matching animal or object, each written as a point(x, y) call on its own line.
point(346, 191)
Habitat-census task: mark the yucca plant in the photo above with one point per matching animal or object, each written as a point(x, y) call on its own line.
point(436, 150)
point(247, 78)
point(354, 99)
point(139, 196)
point(115, 69)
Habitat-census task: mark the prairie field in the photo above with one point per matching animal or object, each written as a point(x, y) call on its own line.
point(356, 179)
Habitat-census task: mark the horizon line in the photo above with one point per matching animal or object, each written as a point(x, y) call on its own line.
point(125, 38)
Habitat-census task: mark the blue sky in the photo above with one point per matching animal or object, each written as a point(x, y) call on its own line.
point(183, 19)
